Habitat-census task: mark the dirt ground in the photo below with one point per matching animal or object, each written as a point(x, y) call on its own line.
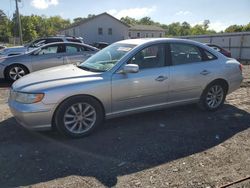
point(176, 147)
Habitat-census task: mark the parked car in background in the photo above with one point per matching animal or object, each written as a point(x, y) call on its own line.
point(220, 49)
point(2, 47)
point(100, 45)
point(126, 77)
point(17, 50)
point(50, 55)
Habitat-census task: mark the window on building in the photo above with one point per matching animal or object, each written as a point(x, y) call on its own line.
point(110, 31)
point(138, 35)
point(100, 31)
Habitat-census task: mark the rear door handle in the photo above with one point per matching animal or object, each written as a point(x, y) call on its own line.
point(205, 72)
point(161, 78)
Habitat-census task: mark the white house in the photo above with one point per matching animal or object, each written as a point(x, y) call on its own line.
point(106, 28)
point(100, 28)
point(146, 31)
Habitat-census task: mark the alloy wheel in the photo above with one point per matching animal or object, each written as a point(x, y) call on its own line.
point(214, 96)
point(16, 73)
point(79, 118)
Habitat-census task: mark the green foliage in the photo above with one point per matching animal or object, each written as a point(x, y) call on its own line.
point(238, 28)
point(35, 26)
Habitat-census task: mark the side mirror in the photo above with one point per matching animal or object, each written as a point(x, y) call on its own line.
point(130, 68)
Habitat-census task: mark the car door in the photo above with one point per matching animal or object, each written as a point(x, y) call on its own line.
point(77, 53)
point(191, 70)
point(48, 56)
point(148, 87)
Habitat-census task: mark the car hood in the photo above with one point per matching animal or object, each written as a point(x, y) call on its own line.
point(15, 58)
point(46, 79)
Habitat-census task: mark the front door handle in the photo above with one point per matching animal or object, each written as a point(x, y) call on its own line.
point(205, 72)
point(161, 78)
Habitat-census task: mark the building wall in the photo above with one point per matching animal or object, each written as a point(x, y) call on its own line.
point(89, 30)
point(237, 43)
point(146, 34)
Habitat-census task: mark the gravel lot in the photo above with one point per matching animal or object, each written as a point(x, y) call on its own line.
point(176, 147)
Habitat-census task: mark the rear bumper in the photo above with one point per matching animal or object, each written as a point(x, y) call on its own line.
point(235, 84)
point(32, 116)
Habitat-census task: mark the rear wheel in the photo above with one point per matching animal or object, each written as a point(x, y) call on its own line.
point(213, 96)
point(14, 72)
point(78, 116)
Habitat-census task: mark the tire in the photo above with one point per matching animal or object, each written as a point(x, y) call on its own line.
point(14, 72)
point(213, 96)
point(78, 116)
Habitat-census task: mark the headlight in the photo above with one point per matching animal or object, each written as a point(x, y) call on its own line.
point(27, 98)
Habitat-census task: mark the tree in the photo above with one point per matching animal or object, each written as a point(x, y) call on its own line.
point(234, 28)
point(129, 21)
point(246, 27)
point(146, 21)
point(5, 32)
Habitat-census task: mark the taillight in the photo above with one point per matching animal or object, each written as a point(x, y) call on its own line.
point(241, 67)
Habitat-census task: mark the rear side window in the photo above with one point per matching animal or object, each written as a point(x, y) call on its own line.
point(74, 40)
point(72, 48)
point(185, 53)
point(208, 56)
point(53, 40)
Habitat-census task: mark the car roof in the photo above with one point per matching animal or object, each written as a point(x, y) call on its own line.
point(143, 41)
point(75, 43)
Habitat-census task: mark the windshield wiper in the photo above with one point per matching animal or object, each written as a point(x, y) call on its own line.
point(89, 69)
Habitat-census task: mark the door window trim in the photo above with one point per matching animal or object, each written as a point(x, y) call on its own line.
point(204, 57)
point(166, 51)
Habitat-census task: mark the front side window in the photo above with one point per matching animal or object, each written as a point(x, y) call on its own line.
point(184, 54)
point(53, 49)
point(150, 57)
point(107, 58)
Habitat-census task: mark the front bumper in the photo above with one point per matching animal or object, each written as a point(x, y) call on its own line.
point(37, 116)
point(1, 71)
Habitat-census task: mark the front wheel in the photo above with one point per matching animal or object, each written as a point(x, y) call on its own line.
point(213, 97)
point(78, 116)
point(14, 72)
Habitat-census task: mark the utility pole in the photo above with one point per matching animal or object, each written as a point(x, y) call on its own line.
point(19, 22)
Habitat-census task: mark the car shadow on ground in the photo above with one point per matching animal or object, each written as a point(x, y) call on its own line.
point(4, 83)
point(121, 146)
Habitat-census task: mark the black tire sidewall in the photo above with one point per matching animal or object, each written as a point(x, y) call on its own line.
point(7, 71)
point(59, 115)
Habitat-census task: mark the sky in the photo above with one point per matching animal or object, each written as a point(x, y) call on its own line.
point(221, 13)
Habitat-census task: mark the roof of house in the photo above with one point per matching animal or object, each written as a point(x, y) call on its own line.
point(92, 18)
point(146, 28)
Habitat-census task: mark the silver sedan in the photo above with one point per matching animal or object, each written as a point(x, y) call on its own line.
point(50, 55)
point(126, 77)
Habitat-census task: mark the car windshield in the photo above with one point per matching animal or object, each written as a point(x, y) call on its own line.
point(106, 58)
